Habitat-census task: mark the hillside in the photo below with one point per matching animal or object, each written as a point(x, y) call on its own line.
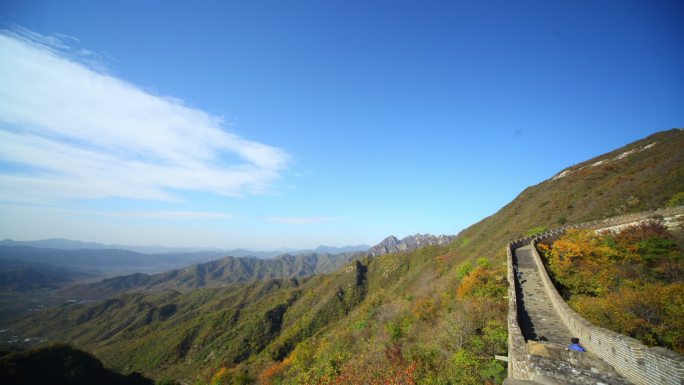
point(171, 334)
point(640, 176)
point(60, 365)
point(428, 316)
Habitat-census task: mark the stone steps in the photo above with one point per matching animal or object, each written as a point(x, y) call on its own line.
point(537, 318)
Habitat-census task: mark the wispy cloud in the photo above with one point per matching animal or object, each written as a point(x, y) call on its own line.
point(141, 214)
point(68, 131)
point(168, 215)
point(50, 42)
point(300, 220)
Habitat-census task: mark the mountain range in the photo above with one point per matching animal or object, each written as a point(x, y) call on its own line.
point(230, 269)
point(227, 270)
point(54, 261)
point(87, 258)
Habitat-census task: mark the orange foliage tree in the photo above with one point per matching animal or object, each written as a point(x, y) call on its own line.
point(277, 369)
point(402, 374)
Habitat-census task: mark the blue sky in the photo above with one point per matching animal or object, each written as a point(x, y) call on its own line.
point(267, 124)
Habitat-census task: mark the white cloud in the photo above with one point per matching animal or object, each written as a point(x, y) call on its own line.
point(73, 132)
point(300, 220)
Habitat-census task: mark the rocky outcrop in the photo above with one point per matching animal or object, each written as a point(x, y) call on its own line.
point(393, 245)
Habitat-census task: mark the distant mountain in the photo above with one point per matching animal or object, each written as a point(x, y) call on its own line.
point(103, 261)
point(56, 243)
point(68, 244)
point(30, 278)
point(393, 245)
point(224, 271)
point(252, 253)
point(344, 249)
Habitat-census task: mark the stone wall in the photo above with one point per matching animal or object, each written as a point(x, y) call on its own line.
point(518, 356)
point(632, 359)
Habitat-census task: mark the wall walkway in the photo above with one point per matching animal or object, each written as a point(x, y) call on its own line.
point(537, 317)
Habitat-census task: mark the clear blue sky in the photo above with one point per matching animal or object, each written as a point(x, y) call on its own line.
point(267, 124)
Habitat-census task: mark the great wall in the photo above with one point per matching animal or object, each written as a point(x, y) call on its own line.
point(540, 325)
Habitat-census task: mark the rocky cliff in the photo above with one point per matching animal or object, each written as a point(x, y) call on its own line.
point(393, 245)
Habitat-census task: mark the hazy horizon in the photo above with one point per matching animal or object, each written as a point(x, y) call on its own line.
point(190, 247)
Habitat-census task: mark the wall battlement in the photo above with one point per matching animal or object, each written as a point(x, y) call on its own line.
point(630, 358)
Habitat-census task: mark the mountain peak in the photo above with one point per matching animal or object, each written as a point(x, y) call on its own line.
point(393, 245)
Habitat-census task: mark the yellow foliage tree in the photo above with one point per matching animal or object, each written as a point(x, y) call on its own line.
point(220, 377)
point(583, 263)
point(482, 282)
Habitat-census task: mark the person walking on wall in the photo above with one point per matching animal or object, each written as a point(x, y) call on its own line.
point(575, 345)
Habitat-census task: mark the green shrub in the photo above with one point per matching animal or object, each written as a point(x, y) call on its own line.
point(676, 200)
point(484, 262)
point(536, 230)
point(395, 331)
point(464, 269)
